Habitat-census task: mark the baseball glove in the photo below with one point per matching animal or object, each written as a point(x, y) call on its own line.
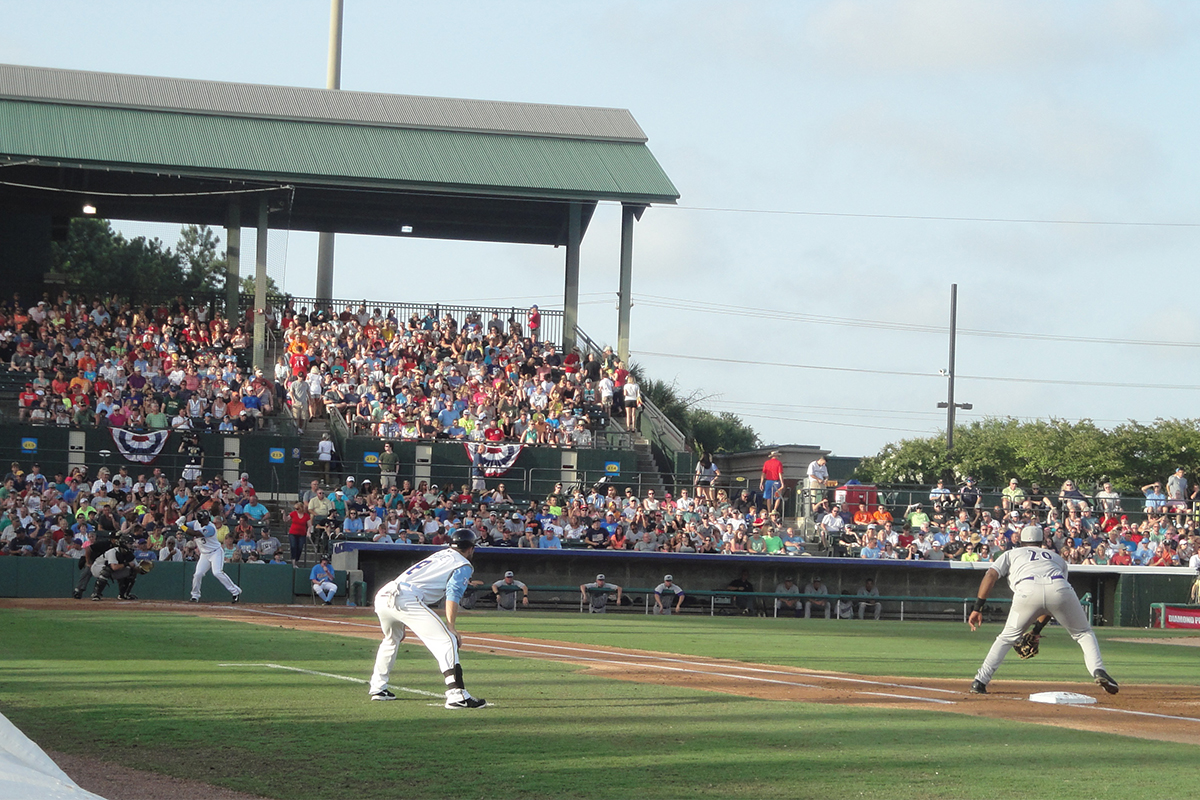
point(145, 566)
point(1027, 645)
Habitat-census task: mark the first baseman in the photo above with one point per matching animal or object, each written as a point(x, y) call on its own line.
point(407, 601)
point(1038, 579)
point(211, 557)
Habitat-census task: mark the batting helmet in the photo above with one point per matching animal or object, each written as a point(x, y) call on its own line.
point(1031, 534)
point(202, 517)
point(462, 539)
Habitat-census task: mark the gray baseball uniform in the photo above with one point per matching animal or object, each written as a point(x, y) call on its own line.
point(1038, 579)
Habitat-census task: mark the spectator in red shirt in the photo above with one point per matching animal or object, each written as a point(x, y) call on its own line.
point(771, 482)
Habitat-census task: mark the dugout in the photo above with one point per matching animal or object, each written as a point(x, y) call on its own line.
point(1121, 595)
point(276, 157)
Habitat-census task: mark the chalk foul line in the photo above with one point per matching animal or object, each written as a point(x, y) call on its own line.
point(332, 675)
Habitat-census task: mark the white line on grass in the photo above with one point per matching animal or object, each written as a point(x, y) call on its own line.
point(662, 667)
point(331, 675)
point(805, 673)
point(911, 697)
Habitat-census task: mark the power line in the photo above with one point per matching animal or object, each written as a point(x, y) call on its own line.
point(934, 218)
point(1047, 381)
point(838, 424)
point(700, 306)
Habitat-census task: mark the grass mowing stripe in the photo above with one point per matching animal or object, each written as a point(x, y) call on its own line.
point(654, 657)
point(331, 675)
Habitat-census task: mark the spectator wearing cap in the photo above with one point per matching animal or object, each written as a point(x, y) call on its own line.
point(506, 590)
point(670, 589)
point(595, 594)
point(969, 497)
point(770, 482)
point(788, 605)
point(816, 587)
point(321, 576)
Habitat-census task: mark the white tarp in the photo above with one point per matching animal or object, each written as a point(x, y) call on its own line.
point(27, 773)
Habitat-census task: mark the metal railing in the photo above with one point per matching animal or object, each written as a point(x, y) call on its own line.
point(655, 425)
point(551, 322)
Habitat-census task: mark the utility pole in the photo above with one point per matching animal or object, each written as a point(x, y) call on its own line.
point(950, 405)
point(333, 80)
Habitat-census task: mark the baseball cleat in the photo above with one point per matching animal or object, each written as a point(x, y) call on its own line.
point(383, 694)
point(978, 687)
point(194, 600)
point(95, 597)
point(127, 597)
point(237, 598)
point(78, 595)
point(1105, 681)
point(466, 702)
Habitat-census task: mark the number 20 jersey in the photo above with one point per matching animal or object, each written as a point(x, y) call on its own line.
point(430, 578)
point(1021, 563)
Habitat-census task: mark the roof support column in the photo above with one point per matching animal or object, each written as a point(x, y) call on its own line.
point(324, 267)
point(260, 288)
point(233, 261)
point(571, 294)
point(629, 214)
point(333, 80)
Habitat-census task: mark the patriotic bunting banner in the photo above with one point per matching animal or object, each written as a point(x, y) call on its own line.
point(142, 448)
point(493, 459)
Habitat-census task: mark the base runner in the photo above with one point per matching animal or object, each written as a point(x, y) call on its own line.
point(1038, 579)
point(407, 601)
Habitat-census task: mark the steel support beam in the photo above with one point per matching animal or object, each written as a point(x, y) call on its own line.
point(233, 261)
point(629, 215)
point(571, 292)
point(333, 80)
point(260, 288)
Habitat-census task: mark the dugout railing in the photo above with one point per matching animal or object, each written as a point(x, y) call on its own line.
point(731, 596)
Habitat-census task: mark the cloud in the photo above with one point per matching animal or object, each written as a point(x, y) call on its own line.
point(924, 35)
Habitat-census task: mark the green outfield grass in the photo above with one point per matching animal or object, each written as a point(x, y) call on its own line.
point(145, 689)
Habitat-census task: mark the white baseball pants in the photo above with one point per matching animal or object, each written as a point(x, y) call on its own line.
point(216, 562)
point(325, 590)
point(1032, 598)
point(395, 611)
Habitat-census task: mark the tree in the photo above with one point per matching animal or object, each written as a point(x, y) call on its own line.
point(273, 289)
point(1045, 451)
point(100, 260)
point(708, 432)
point(203, 269)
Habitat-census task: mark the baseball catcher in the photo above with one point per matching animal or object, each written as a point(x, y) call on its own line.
point(117, 564)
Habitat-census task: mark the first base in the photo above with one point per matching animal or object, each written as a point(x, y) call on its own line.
point(1062, 698)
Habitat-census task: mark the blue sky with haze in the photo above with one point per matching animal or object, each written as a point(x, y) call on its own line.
point(1013, 110)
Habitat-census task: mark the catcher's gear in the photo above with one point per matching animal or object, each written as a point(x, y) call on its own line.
point(462, 539)
point(1027, 645)
point(144, 566)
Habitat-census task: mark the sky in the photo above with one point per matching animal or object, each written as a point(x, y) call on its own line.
point(840, 165)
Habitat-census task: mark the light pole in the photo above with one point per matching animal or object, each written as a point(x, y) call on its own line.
point(333, 80)
point(950, 405)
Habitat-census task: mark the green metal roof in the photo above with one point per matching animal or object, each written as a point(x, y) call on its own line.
point(334, 152)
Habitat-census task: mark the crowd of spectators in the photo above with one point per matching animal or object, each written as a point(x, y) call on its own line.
point(486, 380)
point(603, 518)
point(57, 516)
point(104, 362)
point(1162, 528)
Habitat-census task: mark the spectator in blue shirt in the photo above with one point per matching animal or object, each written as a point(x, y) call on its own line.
point(258, 513)
point(353, 523)
point(321, 577)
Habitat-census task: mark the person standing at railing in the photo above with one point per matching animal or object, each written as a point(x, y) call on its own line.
point(770, 482)
point(814, 482)
point(633, 402)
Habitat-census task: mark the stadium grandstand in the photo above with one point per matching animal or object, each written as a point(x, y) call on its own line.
point(374, 428)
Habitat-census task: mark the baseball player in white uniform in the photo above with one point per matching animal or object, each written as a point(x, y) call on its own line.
point(407, 601)
point(211, 557)
point(1038, 579)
